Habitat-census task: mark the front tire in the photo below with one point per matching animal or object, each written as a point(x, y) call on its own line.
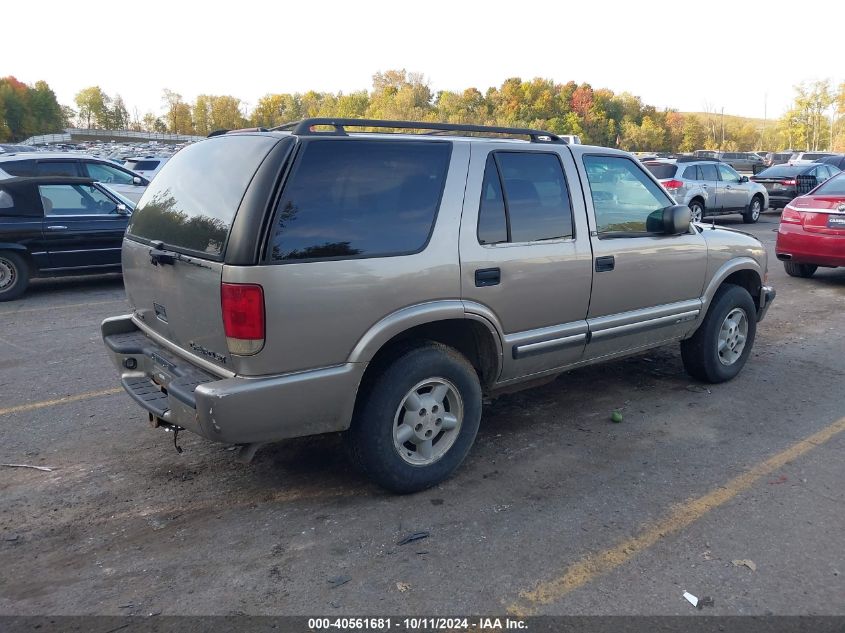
point(14, 276)
point(755, 208)
point(719, 348)
point(794, 269)
point(417, 420)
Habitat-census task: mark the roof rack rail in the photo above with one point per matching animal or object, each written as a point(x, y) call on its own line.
point(239, 131)
point(305, 128)
point(696, 159)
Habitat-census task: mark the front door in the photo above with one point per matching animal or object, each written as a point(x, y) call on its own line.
point(82, 226)
point(525, 254)
point(732, 194)
point(646, 285)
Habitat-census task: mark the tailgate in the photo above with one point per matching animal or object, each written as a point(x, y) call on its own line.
point(187, 213)
point(179, 301)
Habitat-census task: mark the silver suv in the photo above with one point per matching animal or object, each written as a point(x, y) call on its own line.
point(709, 187)
point(311, 279)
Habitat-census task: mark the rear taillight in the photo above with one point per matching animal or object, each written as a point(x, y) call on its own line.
point(673, 185)
point(791, 216)
point(243, 317)
point(789, 182)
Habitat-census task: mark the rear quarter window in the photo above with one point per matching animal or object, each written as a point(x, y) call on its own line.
point(360, 198)
point(191, 204)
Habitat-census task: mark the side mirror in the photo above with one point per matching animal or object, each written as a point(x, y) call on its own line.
point(672, 220)
point(743, 179)
point(122, 209)
point(137, 180)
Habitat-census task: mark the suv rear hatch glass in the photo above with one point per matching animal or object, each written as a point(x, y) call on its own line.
point(189, 208)
point(662, 171)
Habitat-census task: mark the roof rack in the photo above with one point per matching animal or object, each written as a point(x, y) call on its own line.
point(305, 128)
point(695, 159)
point(239, 131)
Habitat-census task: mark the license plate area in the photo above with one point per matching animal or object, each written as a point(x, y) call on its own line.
point(836, 222)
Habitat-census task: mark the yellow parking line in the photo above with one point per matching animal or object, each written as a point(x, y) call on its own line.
point(593, 565)
point(59, 307)
point(50, 403)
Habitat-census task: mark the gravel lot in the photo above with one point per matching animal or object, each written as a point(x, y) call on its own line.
point(557, 510)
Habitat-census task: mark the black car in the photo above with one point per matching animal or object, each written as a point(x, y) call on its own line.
point(837, 160)
point(55, 225)
point(785, 182)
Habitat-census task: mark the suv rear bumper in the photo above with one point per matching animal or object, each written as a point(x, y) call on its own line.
point(236, 410)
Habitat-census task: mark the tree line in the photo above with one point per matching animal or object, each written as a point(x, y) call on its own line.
point(598, 115)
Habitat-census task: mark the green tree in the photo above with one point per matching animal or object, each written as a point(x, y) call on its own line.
point(93, 106)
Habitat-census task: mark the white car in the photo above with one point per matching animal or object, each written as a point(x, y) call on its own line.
point(147, 166)
point(125, 182)
point(805, 158)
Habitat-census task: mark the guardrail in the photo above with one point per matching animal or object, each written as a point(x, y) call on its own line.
point(80, 134)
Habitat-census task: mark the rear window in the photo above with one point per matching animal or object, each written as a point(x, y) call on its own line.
point(349, 199)
point(833, 187)
point(780, 171)
point(661, 171)
point(191, 203)
point(141, 165)
point(814, 156)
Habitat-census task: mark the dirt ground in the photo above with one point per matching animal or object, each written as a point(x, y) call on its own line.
point(556, 511)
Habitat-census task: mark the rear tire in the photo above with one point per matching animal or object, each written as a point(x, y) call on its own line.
point(14, 276)
point(719, 348)
point(794, 269)
point(755, 208)
point(697, 209)
point(417, 420)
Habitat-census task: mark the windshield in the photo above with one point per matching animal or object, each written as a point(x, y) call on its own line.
point(833, 187)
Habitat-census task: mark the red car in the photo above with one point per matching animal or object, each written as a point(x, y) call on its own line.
point(812, 230)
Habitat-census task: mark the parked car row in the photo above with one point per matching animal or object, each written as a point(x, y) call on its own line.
point(785, 182)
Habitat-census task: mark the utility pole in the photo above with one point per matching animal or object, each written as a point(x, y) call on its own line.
point(722, 144)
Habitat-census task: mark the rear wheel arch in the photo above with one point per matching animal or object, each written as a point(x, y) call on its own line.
point(471, 337)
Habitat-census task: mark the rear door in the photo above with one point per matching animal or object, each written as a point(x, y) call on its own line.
point(646, 285)
point(525, 253)
point(82, 226)
point(710, 182)
point(21, 220)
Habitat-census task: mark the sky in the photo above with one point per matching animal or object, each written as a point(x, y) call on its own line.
point(687, 55)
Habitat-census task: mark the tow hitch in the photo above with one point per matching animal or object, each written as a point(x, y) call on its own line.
point(156, 422)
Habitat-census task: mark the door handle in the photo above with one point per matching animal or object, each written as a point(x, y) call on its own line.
point(704, 186)
point(728, 187)
point(488, 277)
point(606, 263)
point(56, 227)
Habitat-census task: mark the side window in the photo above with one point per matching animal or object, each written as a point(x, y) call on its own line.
point(727, 174)
point(691, 173)
point(708, 172)
point(535, 205)
point(492, 217)
point(75, 200)
point(822, 173)
point(623, 195)
point(359, 198)
point(19, 167)
point(107, 174)
point(56, 168)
